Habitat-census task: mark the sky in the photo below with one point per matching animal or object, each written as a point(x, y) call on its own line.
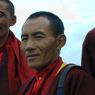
point(78, 17)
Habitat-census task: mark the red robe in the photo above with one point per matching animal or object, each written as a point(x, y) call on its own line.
point(88, 53)
point(78, 82)
point(17, 69)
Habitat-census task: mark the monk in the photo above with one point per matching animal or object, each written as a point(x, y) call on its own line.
point(88, 53)
point(13, 67)
point(41, 41)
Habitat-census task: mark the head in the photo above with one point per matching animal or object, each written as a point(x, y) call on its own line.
point(7, 17)
point(42, 39)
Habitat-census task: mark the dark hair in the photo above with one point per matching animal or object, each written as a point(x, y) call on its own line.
point(10, 7)
point(56, 22)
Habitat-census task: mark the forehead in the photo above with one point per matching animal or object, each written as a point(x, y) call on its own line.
point(3, 5)
point(39, 23)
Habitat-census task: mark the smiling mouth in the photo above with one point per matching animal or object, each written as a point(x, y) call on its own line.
point(32, 57)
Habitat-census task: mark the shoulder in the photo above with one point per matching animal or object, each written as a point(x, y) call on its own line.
point(78, 78)
point(73, 72)
point(77, 71)
point(78, 74)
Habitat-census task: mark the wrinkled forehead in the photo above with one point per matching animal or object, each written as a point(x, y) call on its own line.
point(3, 5)
point(38, 25)
point(39, 22)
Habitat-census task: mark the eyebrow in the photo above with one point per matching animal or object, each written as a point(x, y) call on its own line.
point(35, 33)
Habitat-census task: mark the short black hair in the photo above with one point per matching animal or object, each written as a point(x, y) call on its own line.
point(10, 7)
point(56, 22)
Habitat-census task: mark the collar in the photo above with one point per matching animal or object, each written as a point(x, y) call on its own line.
point(57, 63)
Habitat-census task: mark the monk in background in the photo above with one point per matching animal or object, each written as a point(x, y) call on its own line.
point(88, 53)
point(13, 67)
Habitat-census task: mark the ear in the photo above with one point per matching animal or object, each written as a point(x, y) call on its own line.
point(13, 20)
point(61, 40)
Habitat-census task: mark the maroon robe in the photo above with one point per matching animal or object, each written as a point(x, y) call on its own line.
point(13, 67)
point(88, 53)
point(78, 82)
point(4, 73)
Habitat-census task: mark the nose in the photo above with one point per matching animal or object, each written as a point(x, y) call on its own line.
point(30, 45)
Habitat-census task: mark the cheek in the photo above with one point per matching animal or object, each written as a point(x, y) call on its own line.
point(49, 54)
point(50, 49)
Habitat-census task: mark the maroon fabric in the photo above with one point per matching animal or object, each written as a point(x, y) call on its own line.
point(78, 82)
point(4, 74)
point(1, 56)
point(88, 53)
point(18, 70)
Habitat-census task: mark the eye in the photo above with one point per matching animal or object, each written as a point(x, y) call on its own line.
point(39, 36)
point(24, 38)
point(2, 14)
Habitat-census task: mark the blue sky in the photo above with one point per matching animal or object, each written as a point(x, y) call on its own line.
point(78, 17)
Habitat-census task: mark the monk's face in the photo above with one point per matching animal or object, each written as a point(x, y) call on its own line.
point(38, 43)
point(6, 20)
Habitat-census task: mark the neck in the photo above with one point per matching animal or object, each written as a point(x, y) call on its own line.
point(47, 64)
